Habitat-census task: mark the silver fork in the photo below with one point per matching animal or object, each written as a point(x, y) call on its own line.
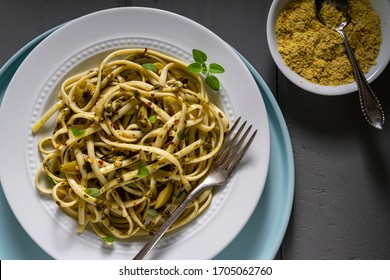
point(223, 165)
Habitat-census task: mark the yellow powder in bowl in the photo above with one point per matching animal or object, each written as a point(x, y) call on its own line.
point(316, 52)
point(331, 16)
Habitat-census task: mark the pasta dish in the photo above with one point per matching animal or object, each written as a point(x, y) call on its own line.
point(132, 137)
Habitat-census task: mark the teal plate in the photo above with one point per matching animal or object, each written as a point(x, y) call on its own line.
point(262, 236)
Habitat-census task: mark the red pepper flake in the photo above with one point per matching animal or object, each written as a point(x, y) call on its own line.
point(145, 51)
point(149, 104)
point(177, 121)
point(100, 162)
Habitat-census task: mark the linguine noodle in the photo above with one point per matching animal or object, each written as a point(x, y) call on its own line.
point(132, 138)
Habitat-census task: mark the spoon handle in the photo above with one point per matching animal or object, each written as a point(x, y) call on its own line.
point(369, 103)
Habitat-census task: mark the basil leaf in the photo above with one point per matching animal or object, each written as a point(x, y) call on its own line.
point(77, 132)
point(153, 119)
point(49, 180)
point(108, 239)
point(94, 192)
point(142, 171)
point(182, 135)
point(150, 66)
point(194, 67)
point(199, 56)
point(152, 213)
point(216, 68)
point(213, 83)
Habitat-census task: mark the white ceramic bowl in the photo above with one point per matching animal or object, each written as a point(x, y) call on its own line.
point(382, 7)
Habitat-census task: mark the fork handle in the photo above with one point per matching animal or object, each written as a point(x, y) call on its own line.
point(167, 224)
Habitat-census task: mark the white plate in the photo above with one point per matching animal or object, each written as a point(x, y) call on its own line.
point(33, 89)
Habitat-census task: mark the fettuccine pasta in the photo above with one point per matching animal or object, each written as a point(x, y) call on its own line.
point(132, 138)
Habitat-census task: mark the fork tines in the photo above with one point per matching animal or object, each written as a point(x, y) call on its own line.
point(234, 148)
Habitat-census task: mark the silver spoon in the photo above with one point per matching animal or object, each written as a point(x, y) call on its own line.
point(369, 103)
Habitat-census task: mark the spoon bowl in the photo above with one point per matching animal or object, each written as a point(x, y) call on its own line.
point(369, 103)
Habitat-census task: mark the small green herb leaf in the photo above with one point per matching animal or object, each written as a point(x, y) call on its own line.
point(108, 239)
point(152, 213)
point(199, 56)
point(77, 132)
point(194, 67)
point(94, 192)
point(50, 182)
point(216, 68)
point(213, 82)
point(153, 119)
point(150, 66)
point(142, 171)
point(182, 135)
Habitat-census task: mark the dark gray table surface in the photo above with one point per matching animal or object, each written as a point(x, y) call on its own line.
point(342, 189)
